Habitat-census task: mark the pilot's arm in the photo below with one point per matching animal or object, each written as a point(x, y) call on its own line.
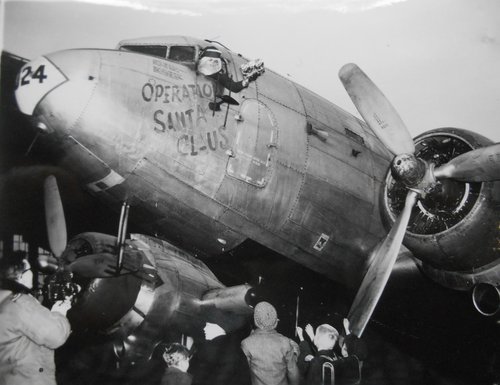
point(229, 83)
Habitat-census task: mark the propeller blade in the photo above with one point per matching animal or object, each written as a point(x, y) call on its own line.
point(47, 264)
point(54, 216)
point(382, 260)
point(480, 165)
point(101, 265)
point(376, 110)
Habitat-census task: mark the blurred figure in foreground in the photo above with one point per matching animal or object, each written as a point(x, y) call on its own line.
point(176, 357)
point(29, 332)
point(219, 359)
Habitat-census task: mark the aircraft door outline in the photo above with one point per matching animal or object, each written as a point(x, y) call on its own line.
point(255, 144)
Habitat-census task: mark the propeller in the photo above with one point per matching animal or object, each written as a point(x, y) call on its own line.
point(479, 165)
point(382, 258)
point(54, 216)
point(101, 265)
point(376, 110)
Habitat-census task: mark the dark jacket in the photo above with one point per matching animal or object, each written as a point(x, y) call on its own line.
point(356, 346)
point(312, 371)
point(225, 81)
point(220, 361)
point(346, 370)
point(174, 376)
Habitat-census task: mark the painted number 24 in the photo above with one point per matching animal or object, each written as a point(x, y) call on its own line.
point(27, 75)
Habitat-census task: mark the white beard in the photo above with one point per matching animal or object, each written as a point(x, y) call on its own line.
point(209, 66)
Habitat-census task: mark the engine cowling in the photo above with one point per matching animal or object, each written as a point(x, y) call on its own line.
point(454, 230)
point(161, 292)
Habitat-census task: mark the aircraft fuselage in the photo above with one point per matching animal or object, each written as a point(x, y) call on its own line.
point(285, 167)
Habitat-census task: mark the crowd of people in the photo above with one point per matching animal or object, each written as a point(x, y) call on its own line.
point(323, 358)
point(30, 332)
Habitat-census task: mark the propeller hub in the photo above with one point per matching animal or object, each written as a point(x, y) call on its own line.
point(408, 169)
point(442, 204)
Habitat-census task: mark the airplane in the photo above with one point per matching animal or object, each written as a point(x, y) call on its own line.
point(275, 163)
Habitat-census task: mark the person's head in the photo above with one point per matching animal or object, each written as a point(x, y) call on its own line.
point(326, 336)
point(265, 316)
point(177, 356)
point(210, 61)
point(213, 330)
point(15, 266)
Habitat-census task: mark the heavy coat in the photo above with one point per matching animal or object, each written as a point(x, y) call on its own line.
point(220, 361)
point(29, 333)
point(272, 358)
point(174, 376)
point(346, 370)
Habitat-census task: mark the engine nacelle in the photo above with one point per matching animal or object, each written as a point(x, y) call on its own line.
point(165, 292)
point(486, 299)
point(455, 230)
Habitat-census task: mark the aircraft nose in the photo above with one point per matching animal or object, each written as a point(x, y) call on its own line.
point(57, 86)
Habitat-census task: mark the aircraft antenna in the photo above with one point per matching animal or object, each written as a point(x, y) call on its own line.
point(227, 109)
point(297, 314)
point(216, 42)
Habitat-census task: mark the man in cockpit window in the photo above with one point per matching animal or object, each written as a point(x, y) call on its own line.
point(212, 65)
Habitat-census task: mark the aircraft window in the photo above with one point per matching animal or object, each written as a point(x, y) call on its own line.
point(182, 53)
point(354, 136)
point(153, 50)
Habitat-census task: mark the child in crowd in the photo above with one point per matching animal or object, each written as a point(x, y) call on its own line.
point(176, 357)
point(320, 364)
point(311, 364)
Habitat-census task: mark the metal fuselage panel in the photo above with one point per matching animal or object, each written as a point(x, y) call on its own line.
point(209, 179)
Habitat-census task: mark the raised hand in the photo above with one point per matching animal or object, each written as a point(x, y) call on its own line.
point(310, 331)
point(347, 326)
point(300, 333)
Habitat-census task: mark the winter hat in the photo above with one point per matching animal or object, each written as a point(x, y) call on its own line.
point(265, 316)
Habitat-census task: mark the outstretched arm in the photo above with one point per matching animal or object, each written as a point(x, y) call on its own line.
point(50, 329)
point(229, 83)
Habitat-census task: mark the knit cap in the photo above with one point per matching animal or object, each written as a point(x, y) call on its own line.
point(265, 316)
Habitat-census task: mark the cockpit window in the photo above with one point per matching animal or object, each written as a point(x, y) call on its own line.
point(182, 53)
point(154, 50)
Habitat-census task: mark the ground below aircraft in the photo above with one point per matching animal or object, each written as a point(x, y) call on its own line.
point(280, 166)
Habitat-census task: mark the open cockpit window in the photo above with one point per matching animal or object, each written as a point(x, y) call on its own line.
point(182, 53)
point(153, 50)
